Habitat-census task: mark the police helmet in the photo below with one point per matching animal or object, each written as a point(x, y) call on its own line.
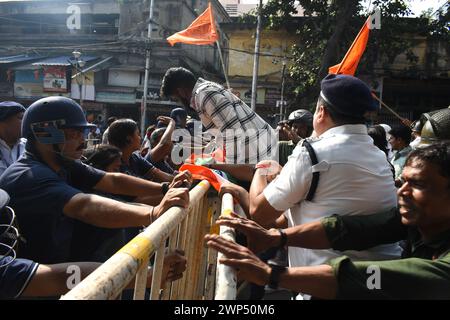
point(437, 127)
point(417, 126)
point(45, 118)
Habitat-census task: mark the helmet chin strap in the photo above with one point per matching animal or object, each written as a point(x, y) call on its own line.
point(60, 154)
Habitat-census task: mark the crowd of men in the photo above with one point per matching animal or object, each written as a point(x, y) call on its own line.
point(364, 211)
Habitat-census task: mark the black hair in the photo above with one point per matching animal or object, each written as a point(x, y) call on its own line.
point(120, 131)
point(402, 132)
point(378, 135)
point(101, 156)
point(110, 120)
point(437, 154)
point(338, 118)
point(177, 78)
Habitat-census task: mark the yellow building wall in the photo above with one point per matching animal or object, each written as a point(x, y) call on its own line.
point(273, 42)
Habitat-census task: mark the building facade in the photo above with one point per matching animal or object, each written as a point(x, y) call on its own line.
point(38, 38)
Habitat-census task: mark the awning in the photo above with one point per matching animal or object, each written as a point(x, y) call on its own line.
point(20, 58)
point(62, 61)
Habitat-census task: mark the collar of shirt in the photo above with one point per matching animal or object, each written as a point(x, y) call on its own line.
point(429, 249)
point(200, 81)
point(345, 129)
point(3, 144)
point(404, 152)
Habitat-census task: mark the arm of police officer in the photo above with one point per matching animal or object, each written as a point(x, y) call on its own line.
point(155, 174)
point(183, 178)
point(119, 183)
point(57, 279)
point(259, 208)
point(276, 189)
point(109, 213)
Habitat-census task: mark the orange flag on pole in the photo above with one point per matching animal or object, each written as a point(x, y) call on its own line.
point(201, 31)
point(353, 55)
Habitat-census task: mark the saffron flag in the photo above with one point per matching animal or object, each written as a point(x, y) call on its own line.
point(201, 31)
point(203, 173)
point(353, 55)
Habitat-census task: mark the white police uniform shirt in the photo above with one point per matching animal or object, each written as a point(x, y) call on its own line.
point(8, 156)
point(355, 179)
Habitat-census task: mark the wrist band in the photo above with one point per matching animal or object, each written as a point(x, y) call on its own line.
point(284, 239)
point(151, 215)
point(262, 166)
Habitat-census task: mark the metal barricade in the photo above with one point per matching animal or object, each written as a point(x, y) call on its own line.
point(181, 228)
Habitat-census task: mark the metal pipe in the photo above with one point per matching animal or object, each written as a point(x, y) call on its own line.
point(282, 107)
point(147, 68)
point(256, 57)
point(225, 73)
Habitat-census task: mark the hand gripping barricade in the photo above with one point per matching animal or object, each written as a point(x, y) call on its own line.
point(203, 279)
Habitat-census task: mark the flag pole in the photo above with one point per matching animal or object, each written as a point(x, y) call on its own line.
point(223, 64)
point(351, 47)
point(403, 120)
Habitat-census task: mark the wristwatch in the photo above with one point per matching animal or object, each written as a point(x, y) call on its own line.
point(276, 270)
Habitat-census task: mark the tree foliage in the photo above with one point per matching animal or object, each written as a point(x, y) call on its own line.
point(328, 28)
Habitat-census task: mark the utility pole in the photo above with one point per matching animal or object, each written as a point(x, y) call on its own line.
point(282, 106)
point(79, 64)
point(256, 57)
point(147, 69)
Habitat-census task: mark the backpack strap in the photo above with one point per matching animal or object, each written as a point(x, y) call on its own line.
point(315, 175)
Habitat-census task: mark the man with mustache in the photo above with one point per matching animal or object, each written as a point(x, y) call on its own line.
point(48, 185)
point(422, 219)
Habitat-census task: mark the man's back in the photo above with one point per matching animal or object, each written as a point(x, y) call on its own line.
point(355, 179)
point(220, 109)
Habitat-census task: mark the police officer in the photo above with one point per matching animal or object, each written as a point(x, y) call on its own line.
point(338, 171)
point(11, 145)
point(26, 278)
point(298, 126)
point(436, 128)
point(50, 187)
